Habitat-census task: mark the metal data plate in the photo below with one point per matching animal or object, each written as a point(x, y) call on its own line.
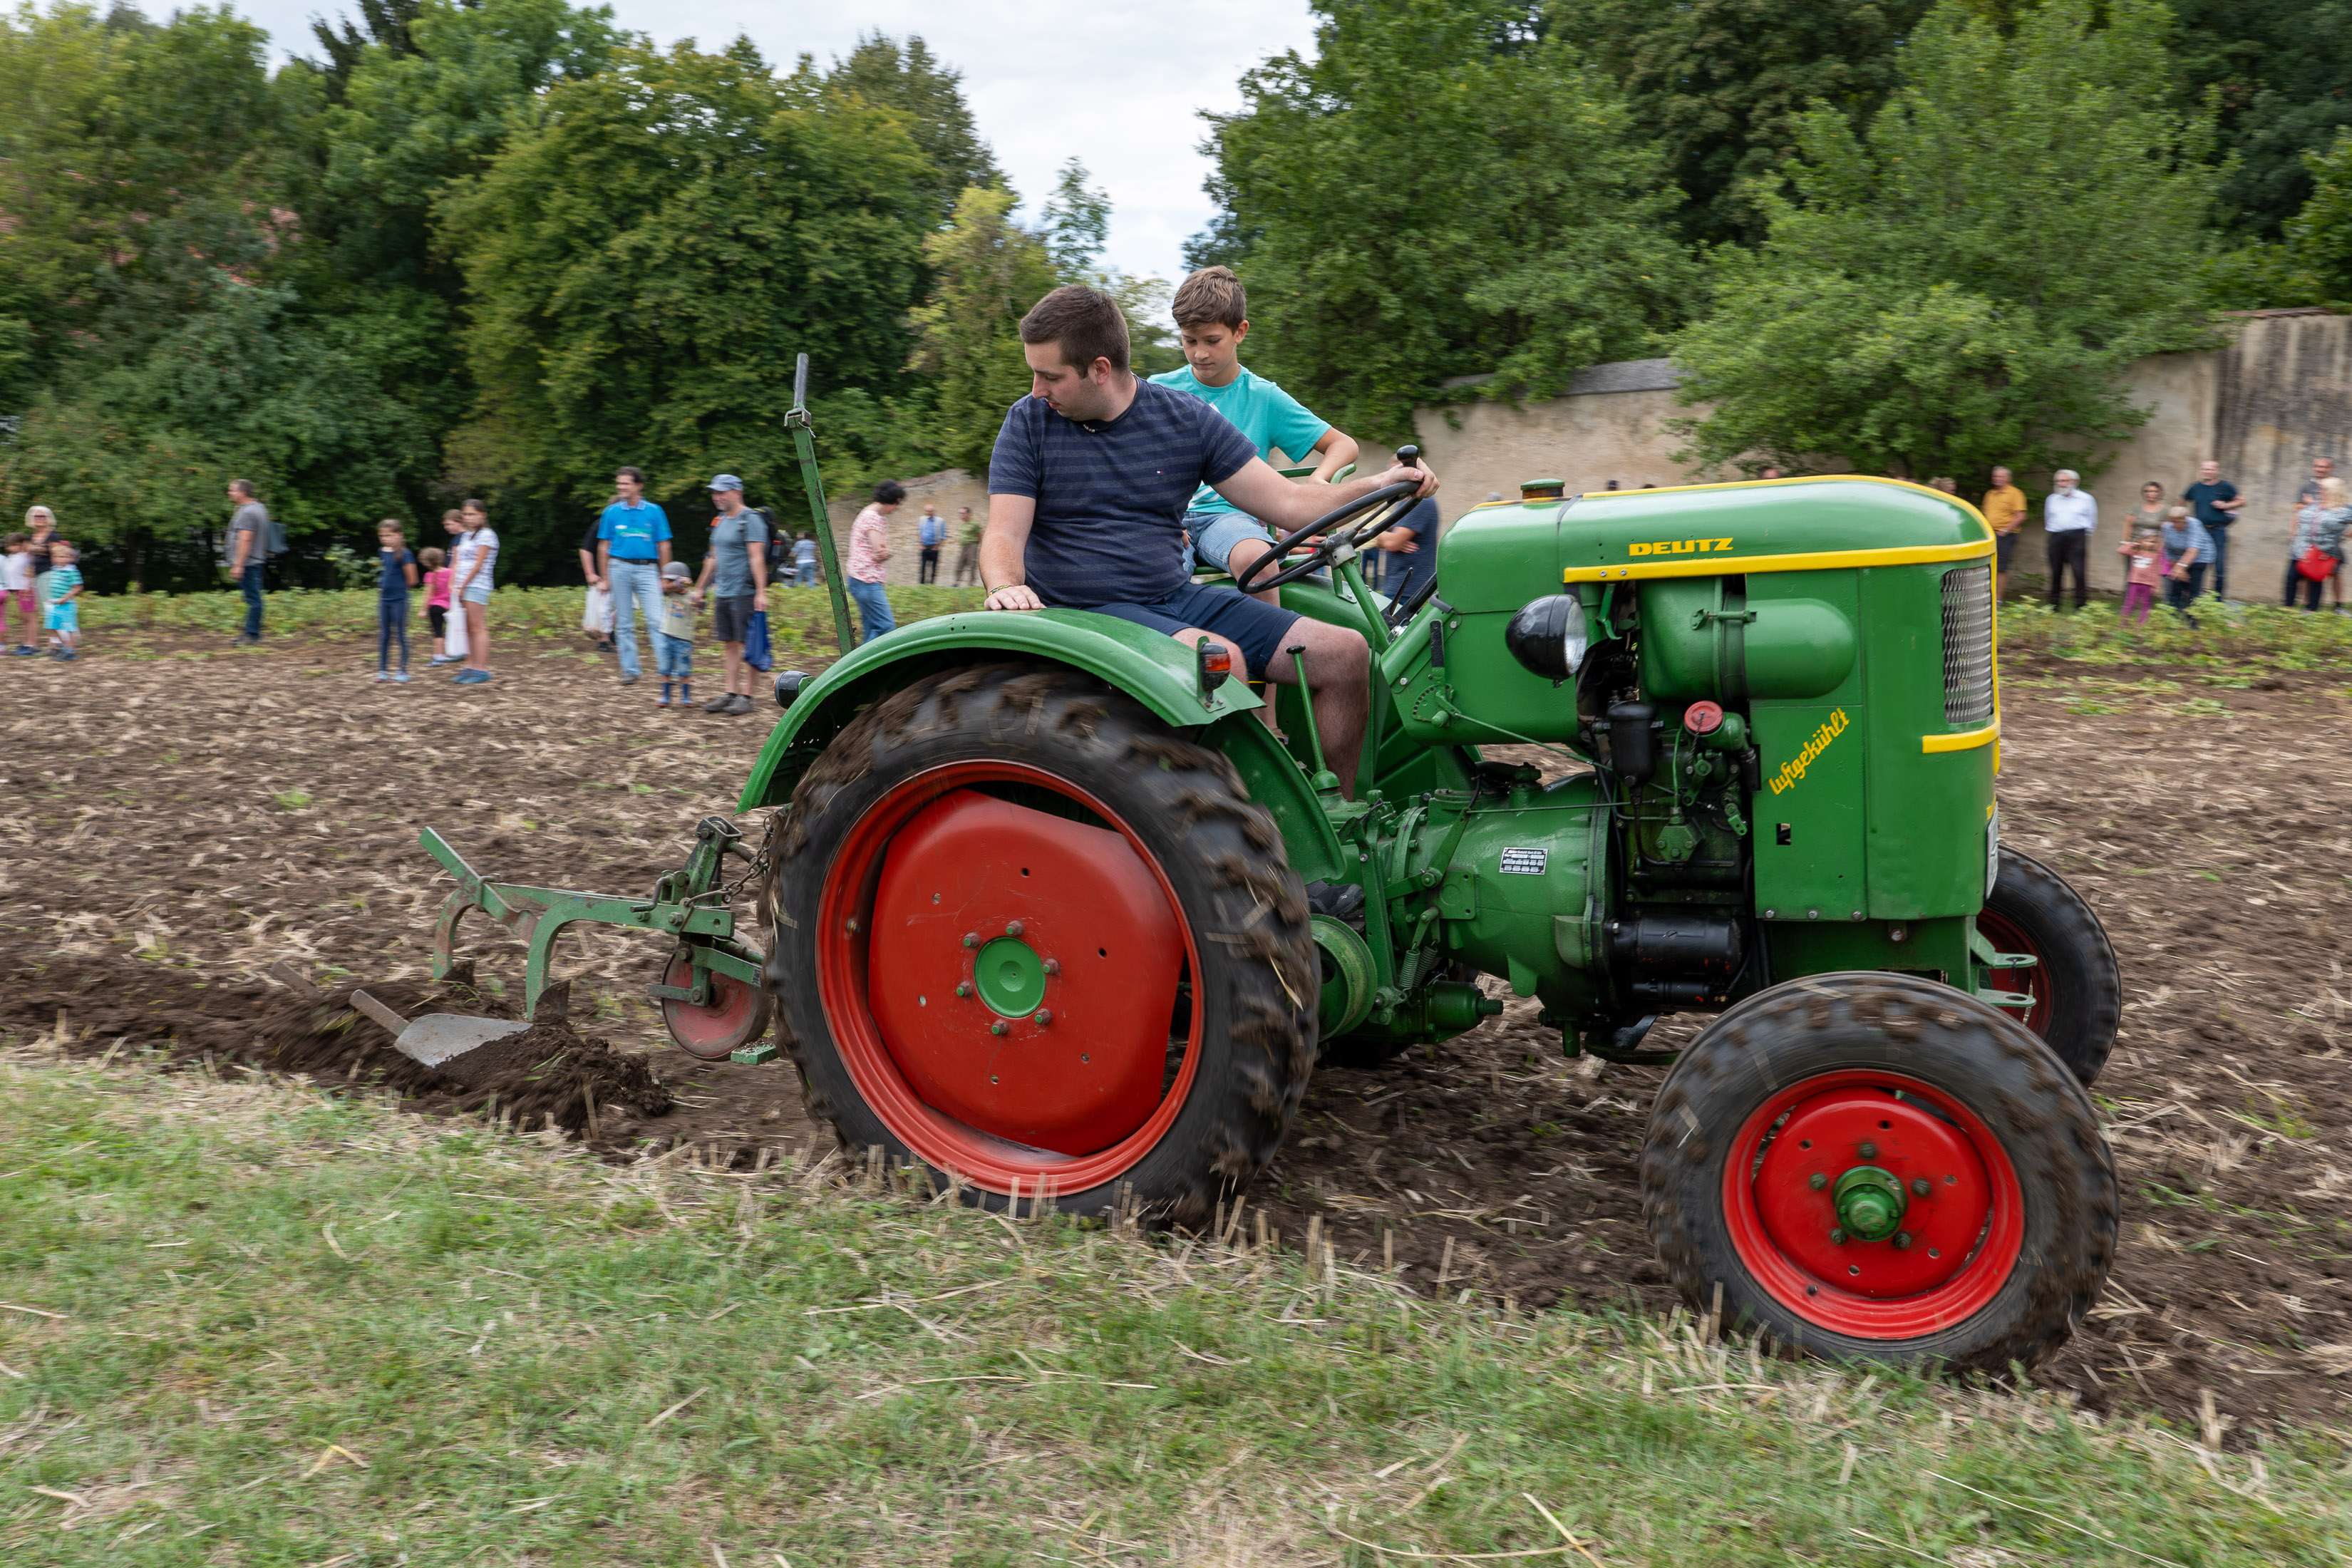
point(435, 1037)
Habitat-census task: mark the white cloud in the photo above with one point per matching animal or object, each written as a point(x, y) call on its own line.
point(1118, 86)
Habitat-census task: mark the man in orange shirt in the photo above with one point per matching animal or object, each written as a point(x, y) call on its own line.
point(2004, 508)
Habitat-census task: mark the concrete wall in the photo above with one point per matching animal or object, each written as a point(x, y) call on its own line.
point(948, 489)
point(2279, 394)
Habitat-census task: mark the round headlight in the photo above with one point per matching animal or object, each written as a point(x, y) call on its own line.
point(1548, 635)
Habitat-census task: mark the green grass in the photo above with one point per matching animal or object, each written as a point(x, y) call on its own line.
point(258, 1324)
point(798, 619)
point(2263, 636)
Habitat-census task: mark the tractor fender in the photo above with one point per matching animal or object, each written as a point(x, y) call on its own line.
point(1154, 669)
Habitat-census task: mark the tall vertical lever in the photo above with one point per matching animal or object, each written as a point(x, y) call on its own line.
point(796, 420)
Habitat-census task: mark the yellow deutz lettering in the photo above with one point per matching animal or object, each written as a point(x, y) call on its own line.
point(1679, 547)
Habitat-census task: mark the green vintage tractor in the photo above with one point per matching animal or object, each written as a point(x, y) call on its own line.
point(1057, 912)
point(1056, 915)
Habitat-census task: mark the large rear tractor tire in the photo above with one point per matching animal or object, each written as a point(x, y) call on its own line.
point(1029, 936)
point(1875, 1167)
point(2077, 990)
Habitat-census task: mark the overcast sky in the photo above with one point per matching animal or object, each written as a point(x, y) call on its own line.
point(1116, 84)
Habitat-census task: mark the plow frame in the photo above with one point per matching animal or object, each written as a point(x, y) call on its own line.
point(690, 903)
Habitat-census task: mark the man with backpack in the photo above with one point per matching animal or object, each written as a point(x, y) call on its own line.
point(735, 577)
point(252, 539)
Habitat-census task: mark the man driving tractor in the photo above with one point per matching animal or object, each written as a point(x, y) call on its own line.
point(1087, 490)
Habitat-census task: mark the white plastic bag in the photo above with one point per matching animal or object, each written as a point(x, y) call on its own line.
point(597, 619)
point(453, 635)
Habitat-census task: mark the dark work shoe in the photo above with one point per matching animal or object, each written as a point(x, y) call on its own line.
point(1343, 901)
point(739, 703)
point(718, 704)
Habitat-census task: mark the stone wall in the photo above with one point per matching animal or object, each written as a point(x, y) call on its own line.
point(2277, 395)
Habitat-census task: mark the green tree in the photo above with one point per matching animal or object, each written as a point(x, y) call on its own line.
point(908, 78)
point(1964, 284)
point(649, 250)
point(153, 196)
point(1439, 193)
point(1722, 84)
point(2276, 70)
point(987, 271)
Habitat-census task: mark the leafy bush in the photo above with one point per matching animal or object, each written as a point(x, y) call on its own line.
point(2268, 636)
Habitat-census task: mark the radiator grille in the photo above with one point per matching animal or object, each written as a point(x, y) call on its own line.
point(1968, 645)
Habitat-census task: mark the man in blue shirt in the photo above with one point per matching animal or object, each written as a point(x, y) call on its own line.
point(632, 548)
point(1087, 490)
point(2215, 500)
point(930, 533)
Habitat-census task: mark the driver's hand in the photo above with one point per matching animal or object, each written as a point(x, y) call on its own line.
point(1014, 597)
point(1426, 474)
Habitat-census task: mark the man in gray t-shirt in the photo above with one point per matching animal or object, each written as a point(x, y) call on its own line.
point(248, 550)
point(735, 574)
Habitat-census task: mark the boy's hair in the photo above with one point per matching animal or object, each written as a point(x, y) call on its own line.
point(13, 540)
point(453, 515)
point(430, 559)
point(62, 543)
point(1085, 322)
point(1211, 296)
point(889, 492)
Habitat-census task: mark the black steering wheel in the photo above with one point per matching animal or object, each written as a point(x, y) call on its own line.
point(1319, 556)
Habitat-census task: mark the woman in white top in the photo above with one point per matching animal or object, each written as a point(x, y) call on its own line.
point(472, 564)
point(17, 570)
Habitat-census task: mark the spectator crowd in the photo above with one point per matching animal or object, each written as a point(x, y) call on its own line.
point(2178, 544)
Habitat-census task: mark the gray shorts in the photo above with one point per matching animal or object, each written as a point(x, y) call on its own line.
point(730, 617)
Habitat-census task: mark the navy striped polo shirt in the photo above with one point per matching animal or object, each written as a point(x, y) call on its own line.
point(1111, 497)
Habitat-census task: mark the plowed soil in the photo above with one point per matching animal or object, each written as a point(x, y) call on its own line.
point(175, 826)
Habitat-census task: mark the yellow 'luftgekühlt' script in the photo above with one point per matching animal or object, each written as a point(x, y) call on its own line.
point(1794, 769)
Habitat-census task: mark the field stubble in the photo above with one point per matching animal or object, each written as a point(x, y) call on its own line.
point(202, 818)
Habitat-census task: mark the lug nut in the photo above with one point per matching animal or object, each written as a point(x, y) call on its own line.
point(998, 1027)
point(1837, 1238)
point(1052, 966)
point(1818, 1182)
point(1044, 1015)
point(1902, 1241)
point(1921, 1186)
point(1013, 929)
point(964, 988)
point(1868, 1151)
point(971, 939)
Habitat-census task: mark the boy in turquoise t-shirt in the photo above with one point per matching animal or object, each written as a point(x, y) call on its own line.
point(63, 587)
point(1212, 317)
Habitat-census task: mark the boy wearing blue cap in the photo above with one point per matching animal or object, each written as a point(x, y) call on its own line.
point(735, 576)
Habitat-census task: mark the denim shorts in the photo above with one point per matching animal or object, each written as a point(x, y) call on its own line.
point(1214, 534)
point(1257, 628)
point(477, 592)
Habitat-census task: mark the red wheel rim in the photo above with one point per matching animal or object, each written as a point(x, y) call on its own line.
point(734, 1017)
point(2005, 937)
point(1064, 1076)
point(1964, 1234)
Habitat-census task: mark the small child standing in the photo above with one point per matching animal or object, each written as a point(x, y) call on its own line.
point(16, 592)
point(2144, 547)
point(436, 599)
point(396, 575)
point(64, 585)
point(673, 646)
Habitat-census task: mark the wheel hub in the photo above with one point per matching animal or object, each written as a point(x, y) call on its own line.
point(1871, 1194)
point(1022, 971)
point(1869, 1202)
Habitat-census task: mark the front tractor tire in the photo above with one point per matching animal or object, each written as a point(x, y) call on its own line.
point(1875, 1167)
point(1031, 938)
